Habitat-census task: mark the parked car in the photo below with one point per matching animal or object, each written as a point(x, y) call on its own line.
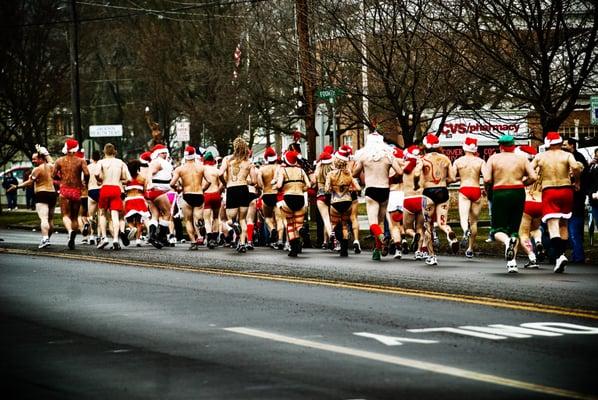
point(17, 172)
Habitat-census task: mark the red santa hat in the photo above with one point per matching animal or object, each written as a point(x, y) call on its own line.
point(158, 149)
point(431, 141)
point(398, 153)
point(189, 153)
point(328, 149)
point(146, 157)
point(325, 157)
point(343, 154)
point(552, 138)
point(290, 157)
point(297, 135)
point(527, 151)
point(270, 154)
point(413, 151)
point(470, 144)
point(348, 149)
point(80, 153)
point(70, 146)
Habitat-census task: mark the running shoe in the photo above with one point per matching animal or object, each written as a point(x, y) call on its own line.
point(241, 248)
point(465, 239)
point(415, 242)
point(512, 266)
point(560, 265)
point(249, 246)
point(431, 260)
point(376, 255)
point(212, 244)
point(385, 241)
point(454, 243)
point(44, 243)
point(510, 249)
point(193, 246)
point(115, 246)
point(418, 255)
point(540, 252)
point(132, 233)
point(102, 243)
point(71, 242)
point(84, 241)
point(531, 264)
point(280, 245)
point(469, 254)
point(397, 255)
point(92, 241)
point(171, 240)
point(155, 242)
point(85, 230)
point(124, 237)
point(337, 246)
point(404, 246)
point(356, 247)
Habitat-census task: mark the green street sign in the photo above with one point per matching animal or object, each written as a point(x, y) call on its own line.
point(329, 94)
point(594, 110)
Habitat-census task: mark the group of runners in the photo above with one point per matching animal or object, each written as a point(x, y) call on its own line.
point(222, 200)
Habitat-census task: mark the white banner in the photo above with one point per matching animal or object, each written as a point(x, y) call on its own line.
point(105, 130)
point(182, 130)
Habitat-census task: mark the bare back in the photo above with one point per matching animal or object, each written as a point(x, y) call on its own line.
point(436, 171)
point(71, 169)
point(112, 171)
point(508, 169)
point(211, 176)
point(469, 169)
point(556, 167)
point(191, 175)
point(42, 178)
point(411, 181)
point(236, 171)
point(266, 175)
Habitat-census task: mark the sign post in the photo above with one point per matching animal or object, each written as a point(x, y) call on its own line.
point(594, 110)
point(105, 131)
point(183, 131)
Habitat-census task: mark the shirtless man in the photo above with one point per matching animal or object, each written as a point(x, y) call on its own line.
point(413, 217)
point(376, 159)
point(82, 220)
point(160, 196)
point(395, 206)
point(93, 194)
point(508, 172)
point(234, 173)
point(437, 173)
point(468, 170)
point(111, 173)
point(45, 195)
point(557, 167)
point(190, 174)
point(212, 188)
point(70, 169)
point(266, 174)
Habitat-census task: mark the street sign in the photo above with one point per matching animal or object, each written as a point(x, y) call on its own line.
point(182, 131)
point(329, 94)
point(105, 130)
point(594, 110)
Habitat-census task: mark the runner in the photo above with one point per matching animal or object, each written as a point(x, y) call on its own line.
point(508, 173)
point(269, 197)
point(212, 188)
point(160, 196)
point(376, 159)
point(468, 170)
point(250, 219)
point(93, 196)
point(111, 173)
point(323, 167)
point(354, 202)
point(557, 167)
point(339, 183)
point(413, 215)
point(70, 169)
point(234, 173)
point(82, 219)
point(45, 195)
point(136, 211)
point(437, 173)
point(532, 214)
point(190, 174)
point(294, 182)
point(395, 207)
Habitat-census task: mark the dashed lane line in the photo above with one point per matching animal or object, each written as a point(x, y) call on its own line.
point(397, 290)
point(411, 363)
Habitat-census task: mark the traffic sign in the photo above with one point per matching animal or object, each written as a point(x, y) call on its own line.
point(594, 110)
point(329, 93)
point(105, 130)
point(182, 131)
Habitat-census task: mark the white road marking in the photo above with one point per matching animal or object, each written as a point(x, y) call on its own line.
point(410, 363)
point(393, 340)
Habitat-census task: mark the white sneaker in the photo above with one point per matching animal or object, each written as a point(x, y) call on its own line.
point(132, 233)
point(531, 263)
point(560, 265)
point(398, 254)
point(431, 260)
point(44, 243)
point(512, 267)
point(103, 243)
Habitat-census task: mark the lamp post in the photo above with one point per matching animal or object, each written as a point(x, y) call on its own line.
point(74, 58)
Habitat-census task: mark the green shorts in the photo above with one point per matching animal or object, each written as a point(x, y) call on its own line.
point(507, 210)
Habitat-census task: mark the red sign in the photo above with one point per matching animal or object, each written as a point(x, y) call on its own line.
point(455, 152)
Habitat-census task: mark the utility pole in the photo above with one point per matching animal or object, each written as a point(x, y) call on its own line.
point(307, 74)
point(74, 57)
point(364, 72)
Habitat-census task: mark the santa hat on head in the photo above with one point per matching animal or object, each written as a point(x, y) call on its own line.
point(146, 157)
point(343, 154)
point(70, 146)
point(552, 138)
point(325, 158)
point(328, 149)
point(348, 149)
point(431, 141)
point(270, 154)
point(158, 149)
point(297, 135)
point(470, 144)
point(398, 153)
point(527, 151)
point(189, 153)
point(290, 157)
point(413, 151)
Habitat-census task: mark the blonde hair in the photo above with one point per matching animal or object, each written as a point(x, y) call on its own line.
point(240, 149)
